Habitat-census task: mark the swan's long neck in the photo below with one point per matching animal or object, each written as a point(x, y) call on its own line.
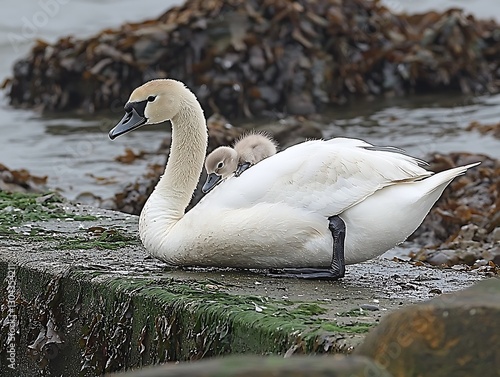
point(166, 205)
point(187, 155)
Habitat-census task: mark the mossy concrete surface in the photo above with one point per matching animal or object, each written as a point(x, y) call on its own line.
point(80, 297)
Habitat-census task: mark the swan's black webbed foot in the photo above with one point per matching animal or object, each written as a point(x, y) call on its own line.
point(337, 266)
point(241, 168)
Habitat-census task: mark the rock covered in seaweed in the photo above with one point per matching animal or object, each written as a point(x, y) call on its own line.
point(245, 58)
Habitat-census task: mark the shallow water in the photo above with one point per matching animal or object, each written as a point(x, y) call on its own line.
point(421, 124)
point(75, 153)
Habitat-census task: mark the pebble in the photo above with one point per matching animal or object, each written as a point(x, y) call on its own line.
point(369, 307)
point(495, 235)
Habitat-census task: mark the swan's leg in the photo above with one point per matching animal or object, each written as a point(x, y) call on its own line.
point(241, 168)
point(337, 266)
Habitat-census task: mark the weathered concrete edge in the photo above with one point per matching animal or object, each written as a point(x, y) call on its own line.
point(114, 323)
point(93, 306)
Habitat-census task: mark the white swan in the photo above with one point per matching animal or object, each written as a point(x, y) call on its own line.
point(288, 210)
point(225, 161)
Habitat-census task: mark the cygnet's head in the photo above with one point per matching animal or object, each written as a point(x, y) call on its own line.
point(153, 102)
point(221, 163)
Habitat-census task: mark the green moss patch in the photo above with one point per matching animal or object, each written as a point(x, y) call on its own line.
point(239, 323)
point(17, 209)
point(111, 239)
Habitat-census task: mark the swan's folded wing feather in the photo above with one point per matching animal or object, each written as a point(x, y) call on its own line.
point(325, 177)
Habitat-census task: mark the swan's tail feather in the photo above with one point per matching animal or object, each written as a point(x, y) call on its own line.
point(440, 180)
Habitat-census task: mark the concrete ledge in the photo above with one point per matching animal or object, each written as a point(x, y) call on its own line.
point(89, 300)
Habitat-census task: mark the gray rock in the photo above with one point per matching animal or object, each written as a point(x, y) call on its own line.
point(255, 366)
point(496, 234)
point(492, 254)
point(443, 257)
point(452, 335)
point(369, 307)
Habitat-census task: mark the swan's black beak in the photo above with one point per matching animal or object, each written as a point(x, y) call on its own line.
point(213, 180)
point(134, 118)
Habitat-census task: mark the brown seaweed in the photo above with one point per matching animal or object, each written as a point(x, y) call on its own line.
point(464, 225)
point(246, 58)
point(20, 180)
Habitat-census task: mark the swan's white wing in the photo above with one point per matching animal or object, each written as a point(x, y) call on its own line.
point(325, 177)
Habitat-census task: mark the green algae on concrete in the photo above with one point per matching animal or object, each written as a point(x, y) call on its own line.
point(86, 322)
point(19, 208)
point(107, 239)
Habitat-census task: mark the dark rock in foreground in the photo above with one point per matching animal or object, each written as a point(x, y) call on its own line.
point(452, 335)
point(253, 366)
point(245, 58)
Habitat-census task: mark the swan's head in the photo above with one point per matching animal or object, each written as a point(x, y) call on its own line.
point(153, 102)
point(221, 163)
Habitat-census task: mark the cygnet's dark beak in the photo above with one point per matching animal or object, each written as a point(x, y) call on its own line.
point(134, 118)
point(241, 168)
point(213, 180)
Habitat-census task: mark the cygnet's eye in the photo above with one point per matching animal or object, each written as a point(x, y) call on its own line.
point(151, 98)
point(220, 165)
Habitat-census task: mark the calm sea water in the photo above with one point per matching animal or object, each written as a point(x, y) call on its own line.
point(75, 153)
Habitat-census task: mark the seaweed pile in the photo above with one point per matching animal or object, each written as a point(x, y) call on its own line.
point(469, 211)
point(244, 58)
point(485, 129)
point(21, 180)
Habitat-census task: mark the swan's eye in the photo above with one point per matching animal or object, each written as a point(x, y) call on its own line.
point(220, 165)
point(151, 98)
